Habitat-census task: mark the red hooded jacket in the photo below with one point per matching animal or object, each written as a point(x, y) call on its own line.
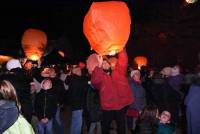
point(114, 89)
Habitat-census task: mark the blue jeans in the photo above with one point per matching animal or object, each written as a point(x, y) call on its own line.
point(94, 125)
point(42, 126)
point(76, 123)
point(131, 123)
point(58, 125)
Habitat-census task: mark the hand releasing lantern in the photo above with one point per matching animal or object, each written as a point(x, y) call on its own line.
point(140, 61)
point(33, 43)
point(107, 26)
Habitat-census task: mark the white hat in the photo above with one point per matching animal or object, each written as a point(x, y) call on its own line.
point(13, 63)
point(133, 72)
point(175, 71)
point(166, 71)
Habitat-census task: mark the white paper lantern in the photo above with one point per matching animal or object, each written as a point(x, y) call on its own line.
point(191, 1)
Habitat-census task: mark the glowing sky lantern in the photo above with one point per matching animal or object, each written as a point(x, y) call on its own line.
point(191, 1)
point(140, 61)
point(33, 43)
point(107, 26)
point(61, 53)
point(4, 58)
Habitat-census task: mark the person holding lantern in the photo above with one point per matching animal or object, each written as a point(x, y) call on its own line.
point(107, 28)
point(115, 92)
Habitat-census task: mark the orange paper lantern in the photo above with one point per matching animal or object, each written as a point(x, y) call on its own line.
point(107, 26)
point(140, 61)
point(33, 43)
point(4, 58)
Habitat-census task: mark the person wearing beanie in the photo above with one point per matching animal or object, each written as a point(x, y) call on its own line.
point(140, 99)
point(166, 71)
point(16, 75)
point(12, 64)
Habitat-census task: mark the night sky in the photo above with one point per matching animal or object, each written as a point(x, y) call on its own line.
point(165, 31)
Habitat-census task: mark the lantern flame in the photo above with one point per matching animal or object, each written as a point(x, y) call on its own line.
point(34, 57)
point(113, 52)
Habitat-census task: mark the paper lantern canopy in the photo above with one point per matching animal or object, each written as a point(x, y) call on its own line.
point(4, 58)
point(33, 43)
point(140, 61)
point(107, 26)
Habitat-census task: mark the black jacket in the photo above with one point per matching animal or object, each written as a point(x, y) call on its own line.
point(45, 104)
point(21, 83)
point(77, 91)
point(93, 106)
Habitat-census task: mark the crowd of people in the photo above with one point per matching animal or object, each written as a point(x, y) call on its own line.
point(100, 95)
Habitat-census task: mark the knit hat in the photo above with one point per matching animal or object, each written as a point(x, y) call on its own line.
point(13, 63)
point(175, 71)
point(133, 72)
point(166, 71)
point(92, 62)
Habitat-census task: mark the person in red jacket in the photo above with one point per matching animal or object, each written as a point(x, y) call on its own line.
point(115, 92)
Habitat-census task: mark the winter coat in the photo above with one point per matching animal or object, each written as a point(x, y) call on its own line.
point(77, 91)
point(21, 126)
point(21, 84)
point(93, 106)
point(193, 108)
point(11, 122)
point(115, 92)
point(139, 95)
point(165, 128)
point(45, 104)
point(176, 82)
point(58, 87)
point(165, 97)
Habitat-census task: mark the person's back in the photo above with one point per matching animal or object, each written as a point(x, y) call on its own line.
point(11, 121)
point(21, 83)
point(21, 126)
point(192, 108)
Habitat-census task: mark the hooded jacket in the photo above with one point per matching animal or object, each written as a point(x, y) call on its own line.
point(8, 114)
point(11, 122)
point(115, 92)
